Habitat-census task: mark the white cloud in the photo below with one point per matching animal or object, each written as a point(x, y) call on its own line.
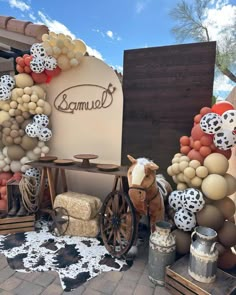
point(222, 86)
point(19, 4)
point(110, 34)
point(220, 21)
point(54, 25)
point(141, 5)
point(94, 52)
point(31, 15)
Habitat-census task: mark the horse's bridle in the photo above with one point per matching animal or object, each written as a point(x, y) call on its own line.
point(145, 190)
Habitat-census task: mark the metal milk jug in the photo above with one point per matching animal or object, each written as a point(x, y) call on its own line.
point(203, 255)
point(161, 252)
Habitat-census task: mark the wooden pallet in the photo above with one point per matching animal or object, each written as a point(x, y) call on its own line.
point(17, 224)
point(178, 281)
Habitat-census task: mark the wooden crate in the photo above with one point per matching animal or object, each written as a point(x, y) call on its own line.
point(178, 281)
point(17, 224)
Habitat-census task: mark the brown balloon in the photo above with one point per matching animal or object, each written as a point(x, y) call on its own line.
point(210, 216)
point(226, 206)
point(227, 260)
point(227, 234)
point(183, 241)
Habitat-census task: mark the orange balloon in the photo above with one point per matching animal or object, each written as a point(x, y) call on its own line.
point(184, 140)
point(19, 69)
point(197, 132)
point(205, 110)
point(195, 155)
point(185, 149)
point(206, 140)
point(197, 118)
point(54, 72)
point(205, 151)
point(39, 77)
point(197, 145)
point(221, 107)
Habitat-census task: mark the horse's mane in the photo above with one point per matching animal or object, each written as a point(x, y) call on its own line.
point(143, 161)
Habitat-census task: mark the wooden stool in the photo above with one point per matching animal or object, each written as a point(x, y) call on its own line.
point(178, 281)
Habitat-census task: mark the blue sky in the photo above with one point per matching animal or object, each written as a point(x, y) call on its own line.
point(110, 27)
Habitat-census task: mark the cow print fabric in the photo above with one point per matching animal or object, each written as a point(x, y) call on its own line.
point(76, 259)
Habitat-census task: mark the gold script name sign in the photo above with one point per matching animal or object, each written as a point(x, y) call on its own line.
point(64, 102)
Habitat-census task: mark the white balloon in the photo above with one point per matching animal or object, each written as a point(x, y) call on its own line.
point(185, 220)
point(229, 120)
point(211, 123)
point(224, 139)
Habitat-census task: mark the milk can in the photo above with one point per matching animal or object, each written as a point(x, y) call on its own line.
point(161, 252)
point(203, 255)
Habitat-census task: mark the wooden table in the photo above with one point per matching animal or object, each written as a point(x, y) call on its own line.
point(53, 171)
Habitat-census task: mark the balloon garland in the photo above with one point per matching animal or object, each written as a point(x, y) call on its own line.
point(203, 185)
point(24, 109)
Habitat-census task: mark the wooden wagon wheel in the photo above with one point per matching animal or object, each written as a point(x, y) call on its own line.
point(59, 220)
point(117, 223)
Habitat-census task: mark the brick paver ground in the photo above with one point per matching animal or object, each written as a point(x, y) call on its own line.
point(133, 281)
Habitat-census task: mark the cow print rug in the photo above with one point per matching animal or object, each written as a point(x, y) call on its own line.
point(76, 259)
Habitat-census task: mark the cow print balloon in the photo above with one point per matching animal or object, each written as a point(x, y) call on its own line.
point(37, 65)
point(45, 134)
point(32, 130)
point(211, 123)
point(41, 120)
point(185, 220)
point(176, 200)
point(224, 139)
point(8, 81)
point(5, 92)
point(50, 63)
point(37, 50)
point(193, 200)
point(229, 120)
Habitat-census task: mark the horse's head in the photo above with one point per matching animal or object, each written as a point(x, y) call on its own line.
point(141, 177)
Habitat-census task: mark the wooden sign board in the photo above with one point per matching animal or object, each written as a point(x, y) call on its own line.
point(164, 88)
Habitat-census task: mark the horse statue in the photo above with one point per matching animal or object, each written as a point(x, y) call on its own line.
point(147, 190)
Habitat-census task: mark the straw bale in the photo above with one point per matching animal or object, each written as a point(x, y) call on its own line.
point(83, 228)
point(78, 205)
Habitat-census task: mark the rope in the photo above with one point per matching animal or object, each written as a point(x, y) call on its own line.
point(29, 193)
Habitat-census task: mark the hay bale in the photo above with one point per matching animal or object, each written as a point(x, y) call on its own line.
point(83, 228)
point(80, 206)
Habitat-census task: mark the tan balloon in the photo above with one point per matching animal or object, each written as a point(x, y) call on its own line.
point(214, 187)
point(80, 46)
point(23, 80)
point(183, 241)
point(63, 62)
point(15, 152)
point(216, 163)
point(28, 143)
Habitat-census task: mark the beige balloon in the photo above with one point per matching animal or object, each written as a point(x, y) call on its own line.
point(80, 46)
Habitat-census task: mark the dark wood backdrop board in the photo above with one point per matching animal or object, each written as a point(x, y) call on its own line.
point(164, 88)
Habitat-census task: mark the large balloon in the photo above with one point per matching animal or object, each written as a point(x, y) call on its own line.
point(224, 139)
point(221, 107)
point(211, 123)
point(229, 120)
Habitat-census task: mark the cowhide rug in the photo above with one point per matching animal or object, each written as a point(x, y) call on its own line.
point(75, 259)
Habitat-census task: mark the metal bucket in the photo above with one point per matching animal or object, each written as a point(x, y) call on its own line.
point(203, 255)
point(161, 252)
